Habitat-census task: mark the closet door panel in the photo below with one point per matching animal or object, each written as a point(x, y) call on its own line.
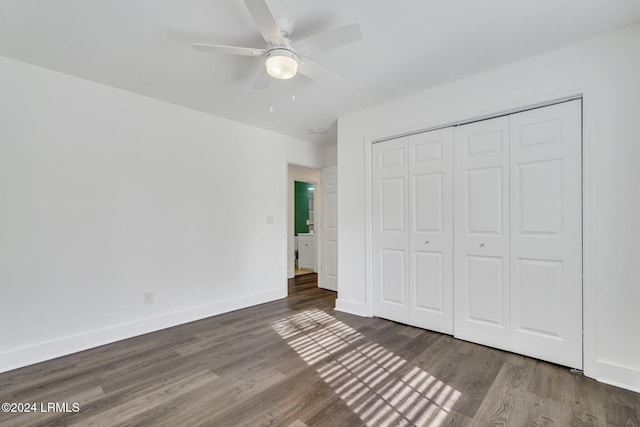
point(427, 270)
point(393, 264)
point(481, 232)
point(391, 230)
point(428, 196)
point(431, 234)
point(546, 213)
point(486, 286)
point(484, 204)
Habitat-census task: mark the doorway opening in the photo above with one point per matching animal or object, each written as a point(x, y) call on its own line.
point(304, 227)
point(303, 231)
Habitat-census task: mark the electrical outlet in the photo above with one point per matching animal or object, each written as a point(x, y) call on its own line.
point(148, 298)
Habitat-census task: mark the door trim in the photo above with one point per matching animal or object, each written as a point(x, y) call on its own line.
point(482, 118)
point(290, 213)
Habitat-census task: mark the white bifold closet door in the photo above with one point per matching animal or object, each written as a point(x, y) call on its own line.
point(546, 233)
point(477, 231)
point(413, 230)
point(391, 230)
point(518, 233)
point(481, 241)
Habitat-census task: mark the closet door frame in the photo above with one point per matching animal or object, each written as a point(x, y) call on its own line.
point(592, 366)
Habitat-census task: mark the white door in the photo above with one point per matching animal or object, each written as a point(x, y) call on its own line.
point(546, 233)
point(391, 230)
point(329, 230)
point(481, 232)
point(431, 230)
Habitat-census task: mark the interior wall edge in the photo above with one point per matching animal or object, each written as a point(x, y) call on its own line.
point(352, 307)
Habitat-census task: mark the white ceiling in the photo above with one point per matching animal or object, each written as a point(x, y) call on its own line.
point(144, 46)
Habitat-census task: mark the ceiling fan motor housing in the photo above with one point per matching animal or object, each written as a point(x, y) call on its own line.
point(285, 25)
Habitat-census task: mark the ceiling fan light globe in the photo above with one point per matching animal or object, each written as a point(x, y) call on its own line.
point(281, 64)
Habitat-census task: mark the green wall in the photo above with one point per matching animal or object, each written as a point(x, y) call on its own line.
point(301, 200)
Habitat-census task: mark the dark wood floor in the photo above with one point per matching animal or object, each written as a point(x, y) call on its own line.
point(296, 362)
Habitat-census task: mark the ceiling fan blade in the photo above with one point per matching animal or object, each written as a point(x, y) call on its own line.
point(265, 21)
point(231, 50)
point(263, 81)
point(328, 40)
point(316, 71)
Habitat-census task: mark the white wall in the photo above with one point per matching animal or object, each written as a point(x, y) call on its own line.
point(105, 195)
point(330, 155)
point(605, 70)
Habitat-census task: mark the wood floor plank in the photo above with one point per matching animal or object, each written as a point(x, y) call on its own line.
point(29, 383)
point(474, 372)
point(296, 362)
point(148, 398)
point(278, 404)
point(498, 406)
point(203, 405)
point(622, 407)
point(336, 414)
point(298, 423)
point(587, 408)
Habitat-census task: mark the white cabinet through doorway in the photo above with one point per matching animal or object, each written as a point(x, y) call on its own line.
point(306, 252)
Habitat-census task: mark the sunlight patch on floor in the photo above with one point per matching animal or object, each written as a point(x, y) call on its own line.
point(369, 378)
point(314, 334)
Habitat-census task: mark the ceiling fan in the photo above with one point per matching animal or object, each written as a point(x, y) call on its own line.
point(285, 58)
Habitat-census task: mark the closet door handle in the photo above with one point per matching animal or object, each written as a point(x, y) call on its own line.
point(482, 245)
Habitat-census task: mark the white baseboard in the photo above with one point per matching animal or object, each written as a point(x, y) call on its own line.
point(40, 352)
point(618, 375)
point(351, 307)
